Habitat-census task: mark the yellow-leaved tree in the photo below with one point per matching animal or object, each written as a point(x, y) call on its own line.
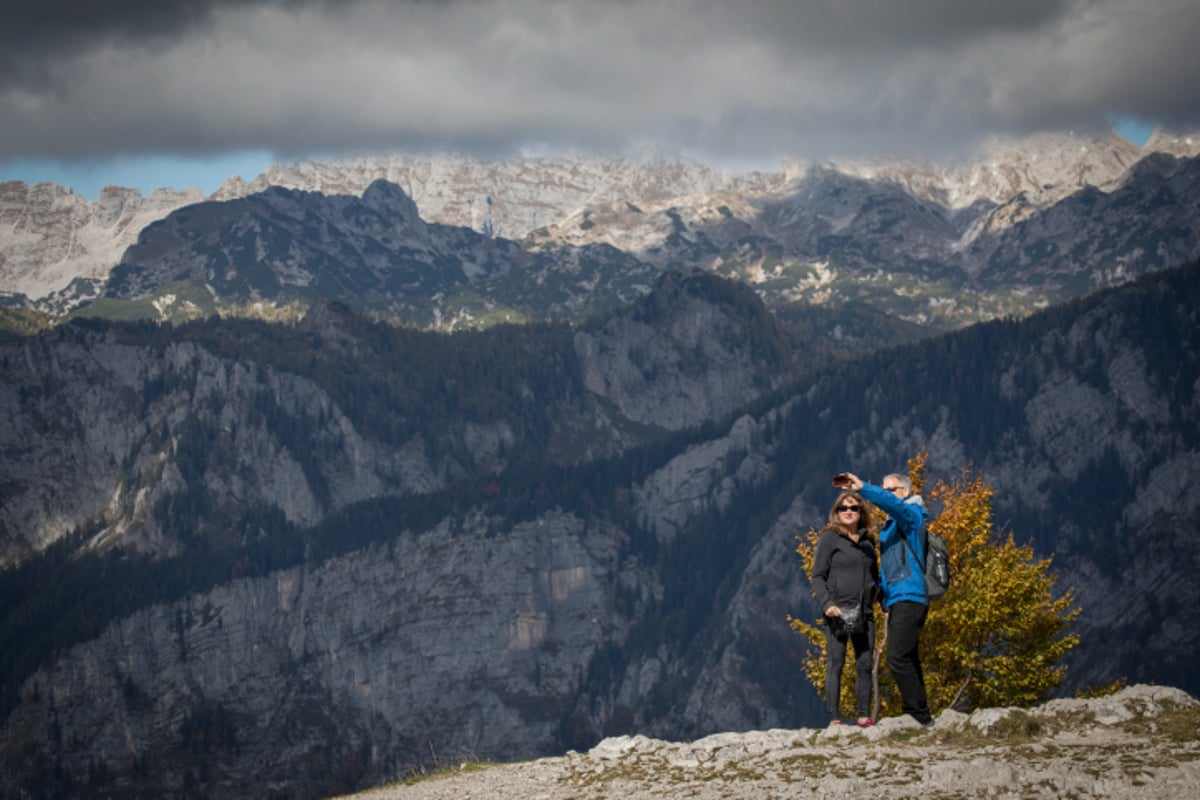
point(996, 638)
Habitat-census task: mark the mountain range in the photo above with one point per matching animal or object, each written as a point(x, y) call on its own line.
point(446, 242)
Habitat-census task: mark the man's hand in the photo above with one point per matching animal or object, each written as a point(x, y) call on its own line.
point(847, 480)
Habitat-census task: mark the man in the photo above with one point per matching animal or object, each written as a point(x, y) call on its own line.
point(905, 601)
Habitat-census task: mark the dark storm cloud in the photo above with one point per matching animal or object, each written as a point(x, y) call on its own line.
point(757, 79)
point(868, 25)
point(34, 24)
point(34, 31)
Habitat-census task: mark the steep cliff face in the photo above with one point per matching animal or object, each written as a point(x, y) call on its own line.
point(456, 640)
point(136, 432)
point(52, 236)
point(680, 356)
point(101, 429)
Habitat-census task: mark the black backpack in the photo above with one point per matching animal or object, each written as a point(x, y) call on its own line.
point(936, 568)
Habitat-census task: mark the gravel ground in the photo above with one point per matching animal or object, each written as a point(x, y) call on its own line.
point(1143, 742)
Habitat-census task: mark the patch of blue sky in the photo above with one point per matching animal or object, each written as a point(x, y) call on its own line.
point(144, 173)
point(1133, 129)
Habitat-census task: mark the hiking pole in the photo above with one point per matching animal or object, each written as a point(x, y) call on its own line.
point(875, 672)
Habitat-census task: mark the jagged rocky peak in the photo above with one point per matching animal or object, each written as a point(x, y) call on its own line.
point(50, 236)
point(385, 196)
point(1178, 143)
point(1044, 167)
point(233, 186)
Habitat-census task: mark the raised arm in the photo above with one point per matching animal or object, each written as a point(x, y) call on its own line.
point(909, 516)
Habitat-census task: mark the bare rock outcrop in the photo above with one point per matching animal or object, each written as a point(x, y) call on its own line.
point(1141, 742)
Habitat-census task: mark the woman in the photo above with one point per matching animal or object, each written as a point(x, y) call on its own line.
point(845, 577)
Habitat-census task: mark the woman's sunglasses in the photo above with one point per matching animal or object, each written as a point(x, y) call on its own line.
point(855, 509)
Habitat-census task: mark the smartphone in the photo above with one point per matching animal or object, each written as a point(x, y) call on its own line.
point(841, 479)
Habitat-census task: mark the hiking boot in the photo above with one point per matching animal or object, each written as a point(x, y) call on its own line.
point(865, 722)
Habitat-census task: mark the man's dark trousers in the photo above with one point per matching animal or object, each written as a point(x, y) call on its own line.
point(905, 621)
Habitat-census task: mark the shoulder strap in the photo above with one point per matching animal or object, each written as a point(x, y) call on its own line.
point(925, 540)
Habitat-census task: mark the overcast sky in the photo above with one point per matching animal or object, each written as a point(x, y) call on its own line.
point(88, 86)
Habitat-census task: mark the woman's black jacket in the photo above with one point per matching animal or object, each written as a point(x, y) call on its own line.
point(844, 573)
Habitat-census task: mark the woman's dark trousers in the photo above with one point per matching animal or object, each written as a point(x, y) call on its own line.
point(905, 621)
point(835, 651)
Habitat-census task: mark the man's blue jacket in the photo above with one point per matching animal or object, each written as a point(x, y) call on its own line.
point(900, 577)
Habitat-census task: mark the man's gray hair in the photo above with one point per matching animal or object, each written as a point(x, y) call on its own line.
point(900, 479)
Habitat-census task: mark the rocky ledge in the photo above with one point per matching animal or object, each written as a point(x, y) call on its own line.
point(1141, 742)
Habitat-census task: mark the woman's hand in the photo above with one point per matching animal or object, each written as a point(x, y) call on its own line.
point(833, 611)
